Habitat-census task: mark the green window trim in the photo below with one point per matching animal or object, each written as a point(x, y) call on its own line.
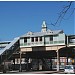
point(46, 42)
point(51, 42)
point(55, 42)
point(61, 41)
point(72, 43)
point(25, 44)
point(38, 43)
point(21, 44)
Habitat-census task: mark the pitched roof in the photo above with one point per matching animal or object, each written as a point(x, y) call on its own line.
point(48, 32)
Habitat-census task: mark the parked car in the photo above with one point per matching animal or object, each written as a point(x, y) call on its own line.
point(69, 69)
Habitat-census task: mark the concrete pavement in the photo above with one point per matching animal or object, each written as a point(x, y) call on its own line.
point(34, 72)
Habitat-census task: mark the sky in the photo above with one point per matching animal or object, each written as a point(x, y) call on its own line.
point(17, 18)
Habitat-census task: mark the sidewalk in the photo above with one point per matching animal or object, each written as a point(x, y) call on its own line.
point(42, 72)
point(10, 72)
point(31, 72)
point(1, 72)
point(34, 72)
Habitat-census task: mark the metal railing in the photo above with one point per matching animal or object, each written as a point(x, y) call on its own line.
point(40, 43)
point(32, 43)
point(55, 42)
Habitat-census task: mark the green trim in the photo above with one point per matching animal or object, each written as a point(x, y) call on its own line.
point(21, 44)
point(51, 42)
point(71, 43)
point(46, 42)
point(38, 43)
point(55, 42)
point(61, 41)
point(25, 44)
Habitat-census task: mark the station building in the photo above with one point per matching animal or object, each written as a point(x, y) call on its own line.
point(44, 50)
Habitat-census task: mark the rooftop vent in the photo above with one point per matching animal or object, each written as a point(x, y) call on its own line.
point(30, 33)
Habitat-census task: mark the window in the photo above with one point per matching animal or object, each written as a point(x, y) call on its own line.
point(17, 60)
point(25, 39)
point(40, 39)
point(32, 39)
point(51, 38)
point(36, 38)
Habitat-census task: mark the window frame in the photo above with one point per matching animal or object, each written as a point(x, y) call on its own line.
point(36, 39)
point(51, 37)
point(40, 38)
point(32, 39)
point(25, 39)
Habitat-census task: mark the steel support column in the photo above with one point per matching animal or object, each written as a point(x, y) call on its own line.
point(27, 64)
point(14, 63)
point(67, 59)
point(20, 62)
point(1, 58)
point(57, 60)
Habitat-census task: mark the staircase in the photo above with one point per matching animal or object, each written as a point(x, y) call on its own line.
point(8, 51)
